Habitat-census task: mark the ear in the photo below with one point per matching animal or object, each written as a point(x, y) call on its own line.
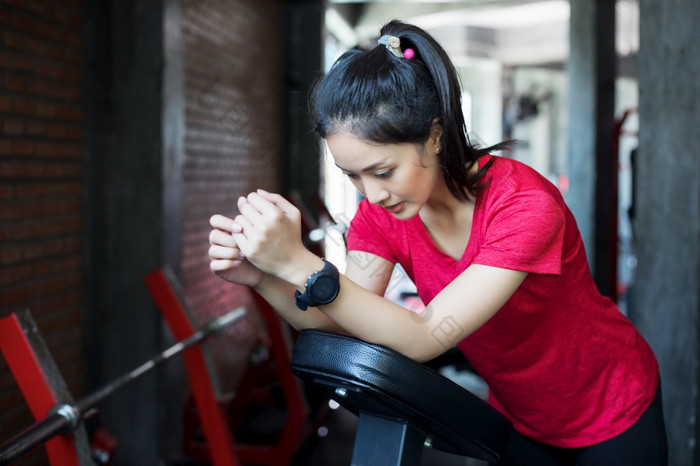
point(436, 133)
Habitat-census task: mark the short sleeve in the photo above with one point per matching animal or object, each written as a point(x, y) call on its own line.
point(365, 233)
point(524, 232)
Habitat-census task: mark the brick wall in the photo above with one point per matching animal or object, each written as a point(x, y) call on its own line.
point(233, 106)
point(232, 70)
point(41, 167)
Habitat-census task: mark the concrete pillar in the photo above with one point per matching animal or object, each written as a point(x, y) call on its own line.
point(124, 212)
point(303, 26)
point(667, 289)
point(593, 173)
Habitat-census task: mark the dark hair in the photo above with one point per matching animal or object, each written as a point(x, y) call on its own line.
point(378, 96)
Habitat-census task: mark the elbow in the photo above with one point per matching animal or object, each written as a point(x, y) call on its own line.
point(422, 353)
point(424, 357)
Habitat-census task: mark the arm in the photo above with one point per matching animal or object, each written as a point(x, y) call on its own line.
point(228, 262)
point(280, 293)
point(269, 237)
point(448, 319)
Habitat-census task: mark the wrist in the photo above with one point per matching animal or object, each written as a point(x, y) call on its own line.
point(300, 270)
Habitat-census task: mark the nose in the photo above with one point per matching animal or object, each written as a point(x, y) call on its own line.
point(375, 192)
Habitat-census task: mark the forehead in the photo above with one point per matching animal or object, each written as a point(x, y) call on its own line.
point(353, 154)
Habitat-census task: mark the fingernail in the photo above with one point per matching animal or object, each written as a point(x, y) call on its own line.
point(236, 228)
point(242, 199)
point(262, 191)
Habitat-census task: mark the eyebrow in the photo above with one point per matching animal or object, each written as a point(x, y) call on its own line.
point(367, 169)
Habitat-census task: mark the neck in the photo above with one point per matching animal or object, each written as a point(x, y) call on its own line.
point(444, 208)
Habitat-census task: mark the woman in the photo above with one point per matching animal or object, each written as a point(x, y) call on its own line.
point(489, 243)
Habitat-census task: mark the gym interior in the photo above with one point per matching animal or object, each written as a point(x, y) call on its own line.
point(124, 125)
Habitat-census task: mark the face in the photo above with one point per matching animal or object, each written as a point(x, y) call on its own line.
point(398, 177)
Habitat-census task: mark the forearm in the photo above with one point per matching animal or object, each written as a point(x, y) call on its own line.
point(361, 312)
point(447, 319)
point(377, 320)
point(280, 295)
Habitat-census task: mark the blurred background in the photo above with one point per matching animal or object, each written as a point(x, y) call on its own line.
point(124, 125)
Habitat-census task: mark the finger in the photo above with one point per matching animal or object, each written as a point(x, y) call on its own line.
point(224, 253)
point(222, 238)
point(249, 211)
point(223, 265)
point(263, 205)
point(244, 223)
point(243, 244)
point(278, 200)
point(240, 238)
point(221, 222)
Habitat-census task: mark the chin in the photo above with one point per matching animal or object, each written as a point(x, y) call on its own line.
point(405, 214)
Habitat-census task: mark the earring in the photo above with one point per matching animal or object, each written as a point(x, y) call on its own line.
point(437, 150)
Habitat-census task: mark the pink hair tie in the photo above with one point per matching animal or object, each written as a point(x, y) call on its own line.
point(408, 54)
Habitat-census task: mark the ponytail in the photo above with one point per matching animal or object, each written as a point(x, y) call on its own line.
point(388, 97)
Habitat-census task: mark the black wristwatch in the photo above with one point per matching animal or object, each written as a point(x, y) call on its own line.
point(322, 287)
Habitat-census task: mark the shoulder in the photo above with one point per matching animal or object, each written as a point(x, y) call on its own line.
point(507, 173)
point(508, 180)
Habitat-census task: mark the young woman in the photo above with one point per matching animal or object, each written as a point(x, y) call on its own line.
point(490, 244)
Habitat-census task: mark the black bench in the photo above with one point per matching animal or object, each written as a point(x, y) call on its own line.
point(402, 405)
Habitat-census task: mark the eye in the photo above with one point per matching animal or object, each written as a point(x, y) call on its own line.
point(352, 176)
point(384, 174)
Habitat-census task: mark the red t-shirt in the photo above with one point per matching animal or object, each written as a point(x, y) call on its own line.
point(561, 361)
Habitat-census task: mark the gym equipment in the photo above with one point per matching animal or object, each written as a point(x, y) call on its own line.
point(41, 384)
point(214, 428)
point(402, 405)
point(66, 417)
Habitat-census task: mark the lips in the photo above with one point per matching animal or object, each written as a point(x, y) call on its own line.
point(396, 208)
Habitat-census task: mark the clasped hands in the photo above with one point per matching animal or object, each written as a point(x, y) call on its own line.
point(265, 238)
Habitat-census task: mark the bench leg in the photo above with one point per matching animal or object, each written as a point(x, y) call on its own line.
point(383, 442)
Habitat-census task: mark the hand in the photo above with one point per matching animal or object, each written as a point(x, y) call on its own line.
point(269, 234)
point(227, 261)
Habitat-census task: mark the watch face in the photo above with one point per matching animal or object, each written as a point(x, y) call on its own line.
point(324, 289)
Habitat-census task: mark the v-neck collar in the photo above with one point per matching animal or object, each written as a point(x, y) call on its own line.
point(435, 249)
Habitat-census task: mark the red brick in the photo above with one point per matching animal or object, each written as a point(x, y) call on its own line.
point(69, 112)
point(36, 169)
point(46, 29)
point(66, 318)
point(11, 297)
point(35, 210)
point(13, 126)
point(6, 16)
point(42, 68)
point(51, 247)
point(40, 190)
point(41, 47)
point(15, 275)
point(50, 285)
point(54, 89)
point(71, 299)
point(58, 149)
point(7, 191)
point(23, 147)
point(14, 82)
point(5, 103)
point(10, 254)
point(56, 13)
point(5, 146)
point(7, 60)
